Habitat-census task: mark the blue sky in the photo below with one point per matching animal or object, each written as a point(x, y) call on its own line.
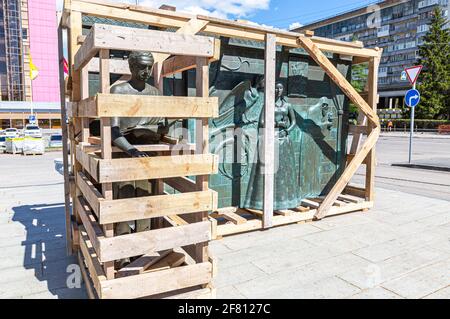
point(278, 13)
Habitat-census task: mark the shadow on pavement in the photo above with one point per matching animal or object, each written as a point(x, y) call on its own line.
point(45, 250)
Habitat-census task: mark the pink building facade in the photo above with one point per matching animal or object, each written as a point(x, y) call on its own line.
point(44, 49)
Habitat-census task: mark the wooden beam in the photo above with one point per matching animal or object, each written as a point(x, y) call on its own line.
point(122, 210)
point(217, 27)
point(153, 283)
point(128, 169)
point(118, 105)
point(371, 115)
point(269, 128)
point(90, 193)
point(141, 264)
point(181, 184)
point(130, 245)
point(110, 37)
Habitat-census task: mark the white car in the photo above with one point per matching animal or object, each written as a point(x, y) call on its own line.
point(55, 141)
point(11, 133)
point(32, 130)
point(2, 144)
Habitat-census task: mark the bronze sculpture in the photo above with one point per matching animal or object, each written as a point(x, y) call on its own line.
point(286, 186)
point(127, 132)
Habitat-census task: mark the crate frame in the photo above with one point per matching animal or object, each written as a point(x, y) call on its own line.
point(359, 153)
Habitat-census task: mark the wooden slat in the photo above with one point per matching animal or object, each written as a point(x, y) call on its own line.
point(91, 226)
point(111, 37)
point(130, 245)
point(310, 203)
point(351, 198)
point(86, 278)
point(181, 184)
point(141, 264)
point(234, 218)
point(153, 283)
point(358, 129)
point(122, 210)
point(269, 128)
point(128, 169)
point(355, 191)
point(118, 105)
point(172, 260)
point(90, 193)
point(95, 269)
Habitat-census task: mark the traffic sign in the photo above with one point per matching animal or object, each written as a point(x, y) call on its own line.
point(412, 98)
point(32, 119)
point(413, 73)
point(404, 77)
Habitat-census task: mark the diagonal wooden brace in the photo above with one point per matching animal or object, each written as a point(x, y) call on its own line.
point(356, 98)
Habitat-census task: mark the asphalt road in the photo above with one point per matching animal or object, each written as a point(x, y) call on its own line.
point(390, 150)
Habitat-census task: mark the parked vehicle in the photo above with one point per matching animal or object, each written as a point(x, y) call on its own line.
point(11, 132)
point(55, 141)
point(32, 131)
point(2, 144)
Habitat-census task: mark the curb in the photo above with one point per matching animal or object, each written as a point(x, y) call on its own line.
point(423, 166)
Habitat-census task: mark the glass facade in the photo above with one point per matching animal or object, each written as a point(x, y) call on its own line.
point(11, 63)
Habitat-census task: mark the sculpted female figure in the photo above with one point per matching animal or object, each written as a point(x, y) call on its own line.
point(286, 187)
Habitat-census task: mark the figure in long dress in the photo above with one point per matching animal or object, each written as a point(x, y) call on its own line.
point(286, 188)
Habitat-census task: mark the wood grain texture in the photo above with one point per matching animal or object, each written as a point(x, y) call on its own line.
point(130, 245)
point(122, 210)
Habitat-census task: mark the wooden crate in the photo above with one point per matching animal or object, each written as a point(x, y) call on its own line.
point(95, 212)
point(170, 260)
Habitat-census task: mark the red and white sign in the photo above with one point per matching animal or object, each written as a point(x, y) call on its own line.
point(413, 73)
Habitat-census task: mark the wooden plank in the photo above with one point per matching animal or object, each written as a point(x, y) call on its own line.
point(373, 101)
point(177, 220)
point(303, 209)
point(116, 66)
point(257, 213)
point(176, 107)
point(128, 169)
point(269, 128)
point(355, 191)
point(310, 203)
point(122, 210)
point(91, 226)
point(153, 283)
point(141, 264)
point(65, 137)
point(95, 269)
point(351, 198)
point(86, 279)
point(358, 129)
point(285, 212)
point(90, 192)
point(136, 244)
point(172, 260)
point(89, 162)
point(181, 184)
point(234, 218)
point(112, 37)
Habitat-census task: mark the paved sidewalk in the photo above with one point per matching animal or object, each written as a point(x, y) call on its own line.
point(416, 135)
point(400, 249)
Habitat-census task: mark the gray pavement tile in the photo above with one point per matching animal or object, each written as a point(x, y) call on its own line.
point(237, 274)
point(422, 282)
point(376, 293)
point(229, 292)
point(440, 294)
point(377, 273)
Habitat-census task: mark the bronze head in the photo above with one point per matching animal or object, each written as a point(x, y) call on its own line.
point(141, 64)
point(279, 90)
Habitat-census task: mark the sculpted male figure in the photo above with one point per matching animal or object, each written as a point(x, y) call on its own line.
point(128, 131)
point(131, 130)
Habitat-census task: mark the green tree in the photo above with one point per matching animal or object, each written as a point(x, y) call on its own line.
point(434, 81)
point(359, 80)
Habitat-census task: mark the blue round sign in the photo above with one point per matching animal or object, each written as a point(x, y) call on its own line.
point(412, 98)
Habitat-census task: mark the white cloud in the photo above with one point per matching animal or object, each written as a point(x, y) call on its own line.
point(217, 8)
point(295, 25)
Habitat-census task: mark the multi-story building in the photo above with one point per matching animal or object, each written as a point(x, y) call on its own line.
point(28, 30)
point(397, 26)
